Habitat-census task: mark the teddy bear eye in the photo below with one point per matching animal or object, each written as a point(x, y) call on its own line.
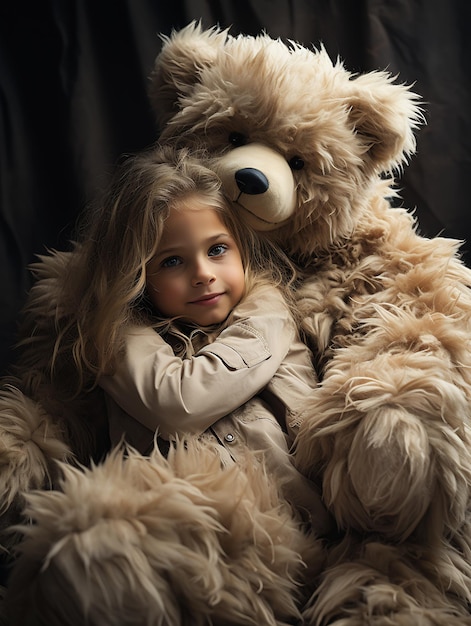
point(296, 163)
point(237, 139)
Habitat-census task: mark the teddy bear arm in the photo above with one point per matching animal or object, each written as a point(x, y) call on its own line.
point(389, 428)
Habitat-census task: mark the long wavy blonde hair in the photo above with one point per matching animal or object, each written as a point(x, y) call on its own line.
point(105, 290)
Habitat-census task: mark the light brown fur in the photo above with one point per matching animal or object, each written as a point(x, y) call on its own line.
point(386, 433)
point(170, 541)
point(386, 311)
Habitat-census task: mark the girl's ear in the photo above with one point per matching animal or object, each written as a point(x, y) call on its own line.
point(384, 116)
point(183, 55)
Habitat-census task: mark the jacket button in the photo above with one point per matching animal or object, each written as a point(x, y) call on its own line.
point(229, 437)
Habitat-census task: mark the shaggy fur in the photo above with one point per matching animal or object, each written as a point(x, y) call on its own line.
point(380, 586)
point(385, 434)
point(29, 445)
point(77, 419)
point(386, 312)
point(159, 542)
point(393, 331)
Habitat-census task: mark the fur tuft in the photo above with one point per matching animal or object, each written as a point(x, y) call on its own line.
point(162, 541)
point(380, 587)
point(30, 443)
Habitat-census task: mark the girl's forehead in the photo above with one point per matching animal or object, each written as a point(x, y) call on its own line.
point(193, 217)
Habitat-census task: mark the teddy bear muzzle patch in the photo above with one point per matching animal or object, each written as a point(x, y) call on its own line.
point(260, 183)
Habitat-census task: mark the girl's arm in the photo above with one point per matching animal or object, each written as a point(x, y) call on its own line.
point(178, 396)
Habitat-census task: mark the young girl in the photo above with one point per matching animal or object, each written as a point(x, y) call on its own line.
point(178, 312)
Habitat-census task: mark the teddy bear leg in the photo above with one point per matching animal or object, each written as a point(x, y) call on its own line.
point(388, 437)
point(172, 542)
point(376, 584)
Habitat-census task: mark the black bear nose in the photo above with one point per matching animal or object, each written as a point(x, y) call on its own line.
point(251, 181)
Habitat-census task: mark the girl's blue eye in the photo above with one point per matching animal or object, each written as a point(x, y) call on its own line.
point(172, 261)
point(217, 250)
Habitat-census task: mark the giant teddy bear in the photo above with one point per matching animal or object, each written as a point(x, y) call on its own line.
point(306, 152)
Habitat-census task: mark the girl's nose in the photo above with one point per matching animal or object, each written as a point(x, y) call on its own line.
point(203, 274)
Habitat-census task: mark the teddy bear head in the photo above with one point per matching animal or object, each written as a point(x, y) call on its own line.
point(300, 143)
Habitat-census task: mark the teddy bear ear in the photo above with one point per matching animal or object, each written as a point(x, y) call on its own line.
point(183, 55)
point(385, 115)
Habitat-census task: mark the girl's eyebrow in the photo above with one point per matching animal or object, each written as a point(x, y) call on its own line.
point(177, 247)
point(169, 250)
point(225, 235)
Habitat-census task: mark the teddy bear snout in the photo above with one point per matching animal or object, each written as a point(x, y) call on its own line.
point(260, 183)
point(251, 181)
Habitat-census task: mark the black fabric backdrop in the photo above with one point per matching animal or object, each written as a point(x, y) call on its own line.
point(73, 80)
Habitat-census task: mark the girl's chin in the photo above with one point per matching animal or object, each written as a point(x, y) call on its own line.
point(208, 321)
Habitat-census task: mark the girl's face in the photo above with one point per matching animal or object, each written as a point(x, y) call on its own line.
point(197, 272)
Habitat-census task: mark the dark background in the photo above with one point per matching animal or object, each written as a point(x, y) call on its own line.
point(73, 81)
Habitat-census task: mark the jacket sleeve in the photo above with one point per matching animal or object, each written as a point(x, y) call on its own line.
point(178, 396)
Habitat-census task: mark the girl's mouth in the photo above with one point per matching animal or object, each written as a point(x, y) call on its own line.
point(208, 299)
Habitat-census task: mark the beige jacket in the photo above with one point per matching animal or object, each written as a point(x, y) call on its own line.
point(244, 390)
